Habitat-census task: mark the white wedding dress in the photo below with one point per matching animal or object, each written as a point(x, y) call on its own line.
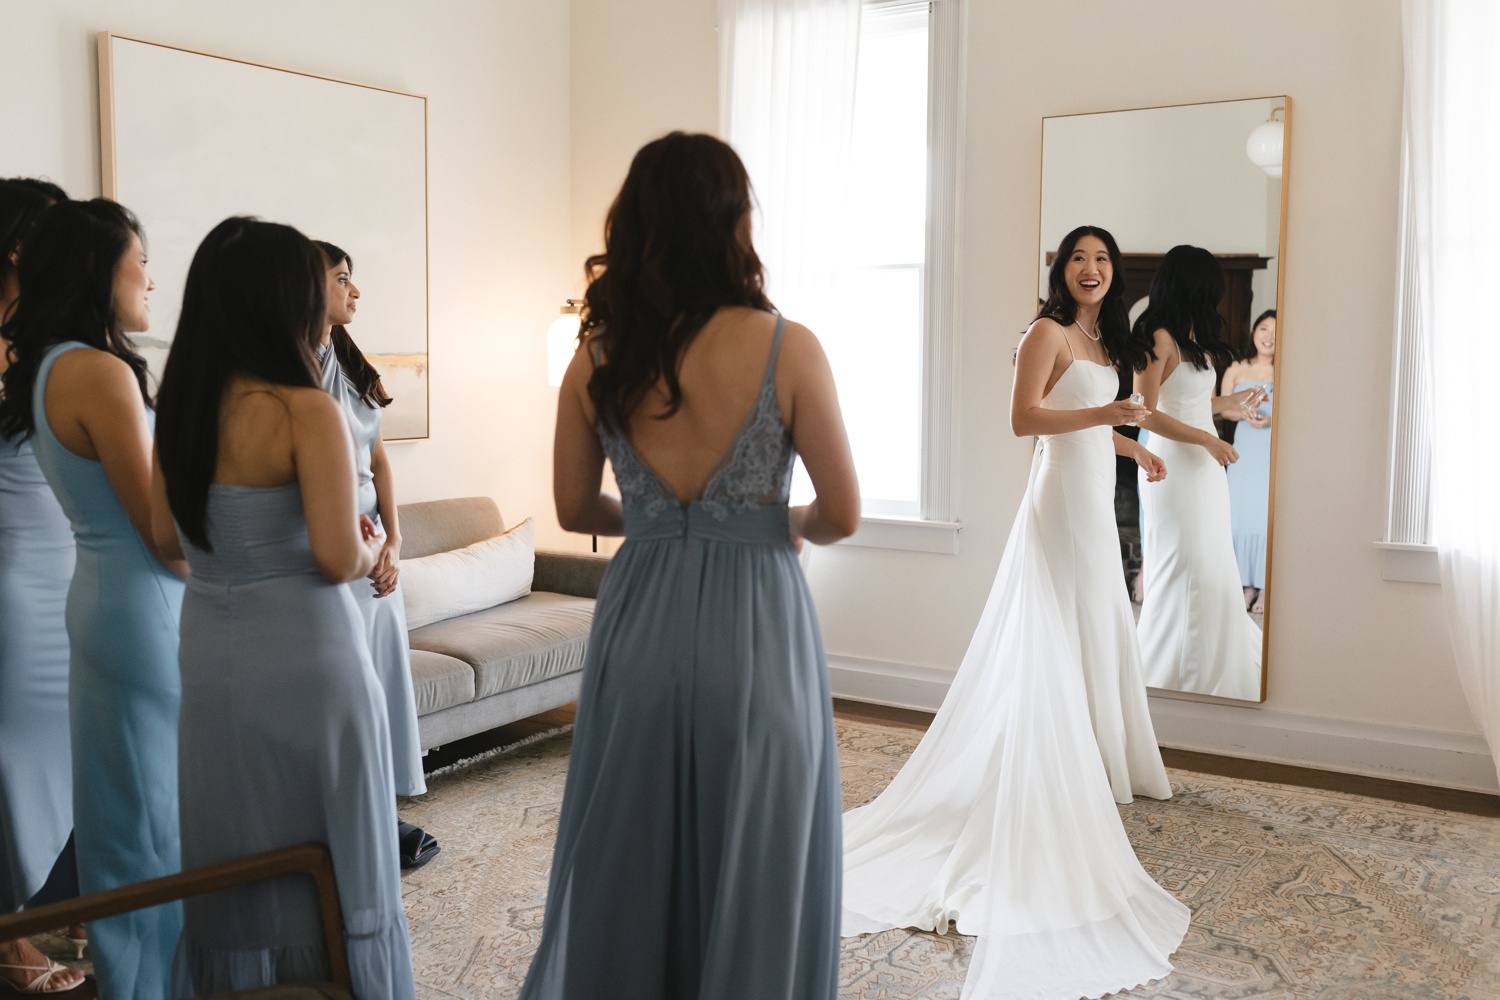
point(1195, 634)
point(1004, 819)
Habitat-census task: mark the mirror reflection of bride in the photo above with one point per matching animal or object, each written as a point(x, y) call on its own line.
point(1194, 633)
point(1003, 821)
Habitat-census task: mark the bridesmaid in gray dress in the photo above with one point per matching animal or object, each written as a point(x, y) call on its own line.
point(283, 734)
point(36, 566)
point(698, 848)
point(355, 383)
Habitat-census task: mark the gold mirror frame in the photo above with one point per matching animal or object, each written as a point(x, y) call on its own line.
point(1276, 364)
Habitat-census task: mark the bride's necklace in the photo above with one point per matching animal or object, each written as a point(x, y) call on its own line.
point(1092, 336)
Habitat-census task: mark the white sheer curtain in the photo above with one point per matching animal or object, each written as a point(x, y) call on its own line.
point(1453, 135)
point(786, 104)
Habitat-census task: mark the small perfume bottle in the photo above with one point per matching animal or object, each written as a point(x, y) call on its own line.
point(1251, 404)
point(1138, 400)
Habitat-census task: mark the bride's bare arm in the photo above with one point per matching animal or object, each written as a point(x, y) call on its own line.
point(1039, 356)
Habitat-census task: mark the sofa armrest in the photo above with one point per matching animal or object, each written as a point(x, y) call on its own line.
point(576, 574)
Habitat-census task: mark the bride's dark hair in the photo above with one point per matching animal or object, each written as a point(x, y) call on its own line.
point(1184, 301)
point(676, 250)
point(1114, 319)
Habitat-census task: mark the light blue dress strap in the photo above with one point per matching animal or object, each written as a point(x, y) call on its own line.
point(770, 375)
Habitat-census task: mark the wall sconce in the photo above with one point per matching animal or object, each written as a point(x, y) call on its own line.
point(562, 340)
point(1264, 145)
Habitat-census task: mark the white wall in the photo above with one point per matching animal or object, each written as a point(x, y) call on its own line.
point(498, 199)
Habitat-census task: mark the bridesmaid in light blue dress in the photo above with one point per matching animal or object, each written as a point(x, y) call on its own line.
point(83, 291)
point(36, 566)
point(284, 736)
point(1250, 477)
point(355, 383)
point(698, 848)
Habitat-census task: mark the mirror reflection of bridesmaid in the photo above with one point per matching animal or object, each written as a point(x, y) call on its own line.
point(1250, 477)
point(1195, 635)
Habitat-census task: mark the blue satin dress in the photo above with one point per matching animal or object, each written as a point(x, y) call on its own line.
point(36, 769)
point(385, 617)
point(1250, 493)
point(284, 741)
point(699, 845)
point(123, 690)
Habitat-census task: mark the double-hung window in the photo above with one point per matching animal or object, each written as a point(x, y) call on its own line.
point(890, 341)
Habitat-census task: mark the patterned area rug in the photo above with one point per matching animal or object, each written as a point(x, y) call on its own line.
point(1295, 893)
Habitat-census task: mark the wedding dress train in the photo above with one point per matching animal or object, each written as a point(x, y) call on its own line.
point(1004, 819)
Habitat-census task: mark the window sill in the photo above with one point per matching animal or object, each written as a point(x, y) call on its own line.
point(908, 533)
point(1408, 563)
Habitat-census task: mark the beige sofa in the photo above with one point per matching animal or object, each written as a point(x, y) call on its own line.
point(478, 671)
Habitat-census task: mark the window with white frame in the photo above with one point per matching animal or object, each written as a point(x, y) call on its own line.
point(889, 343)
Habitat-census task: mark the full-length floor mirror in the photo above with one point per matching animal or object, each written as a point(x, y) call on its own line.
point(1210, 176)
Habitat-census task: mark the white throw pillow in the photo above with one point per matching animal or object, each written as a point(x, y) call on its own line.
point(475, 577)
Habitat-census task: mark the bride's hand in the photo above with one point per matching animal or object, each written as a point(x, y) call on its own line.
point(1222, 451)
point(1122, 412)
point(1155, 468)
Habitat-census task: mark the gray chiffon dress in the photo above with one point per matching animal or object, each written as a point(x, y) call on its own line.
point(283, 741)
point(385, 617)
point(698, 849)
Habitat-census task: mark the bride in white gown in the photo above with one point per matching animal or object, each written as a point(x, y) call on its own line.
point(1195, 635)
point(1004, 819)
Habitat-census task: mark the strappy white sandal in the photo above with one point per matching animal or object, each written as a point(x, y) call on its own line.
point(43, 980)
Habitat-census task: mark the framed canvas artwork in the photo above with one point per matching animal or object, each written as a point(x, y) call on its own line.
point(189, 138)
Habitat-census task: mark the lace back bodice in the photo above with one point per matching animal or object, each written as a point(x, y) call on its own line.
point(755, 472)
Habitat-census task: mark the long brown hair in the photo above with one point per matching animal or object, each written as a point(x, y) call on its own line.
point(676, 250)
point(361, 373)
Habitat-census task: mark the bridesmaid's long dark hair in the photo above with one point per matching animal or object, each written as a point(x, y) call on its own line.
point(253, 305)
point(676, 249)
point(351, 359)
point(1114, 319)
point(1184, 301)
point(20, 205)
point(66, 275)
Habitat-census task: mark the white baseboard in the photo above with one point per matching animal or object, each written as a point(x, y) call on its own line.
point(1449, 760)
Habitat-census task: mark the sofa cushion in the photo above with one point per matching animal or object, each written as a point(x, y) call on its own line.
point(440, 681)
point(482, 575)
point(537, 637)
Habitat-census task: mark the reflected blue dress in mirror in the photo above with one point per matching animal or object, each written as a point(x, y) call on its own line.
point(36, 769)
point(123, 690)
point(698, 848)
point(1250, 493)
point(385, 617)
point(284, 741)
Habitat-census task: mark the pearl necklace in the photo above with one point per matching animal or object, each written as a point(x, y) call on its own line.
point(1092, 336)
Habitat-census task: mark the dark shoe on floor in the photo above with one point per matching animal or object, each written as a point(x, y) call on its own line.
point(417, 845)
